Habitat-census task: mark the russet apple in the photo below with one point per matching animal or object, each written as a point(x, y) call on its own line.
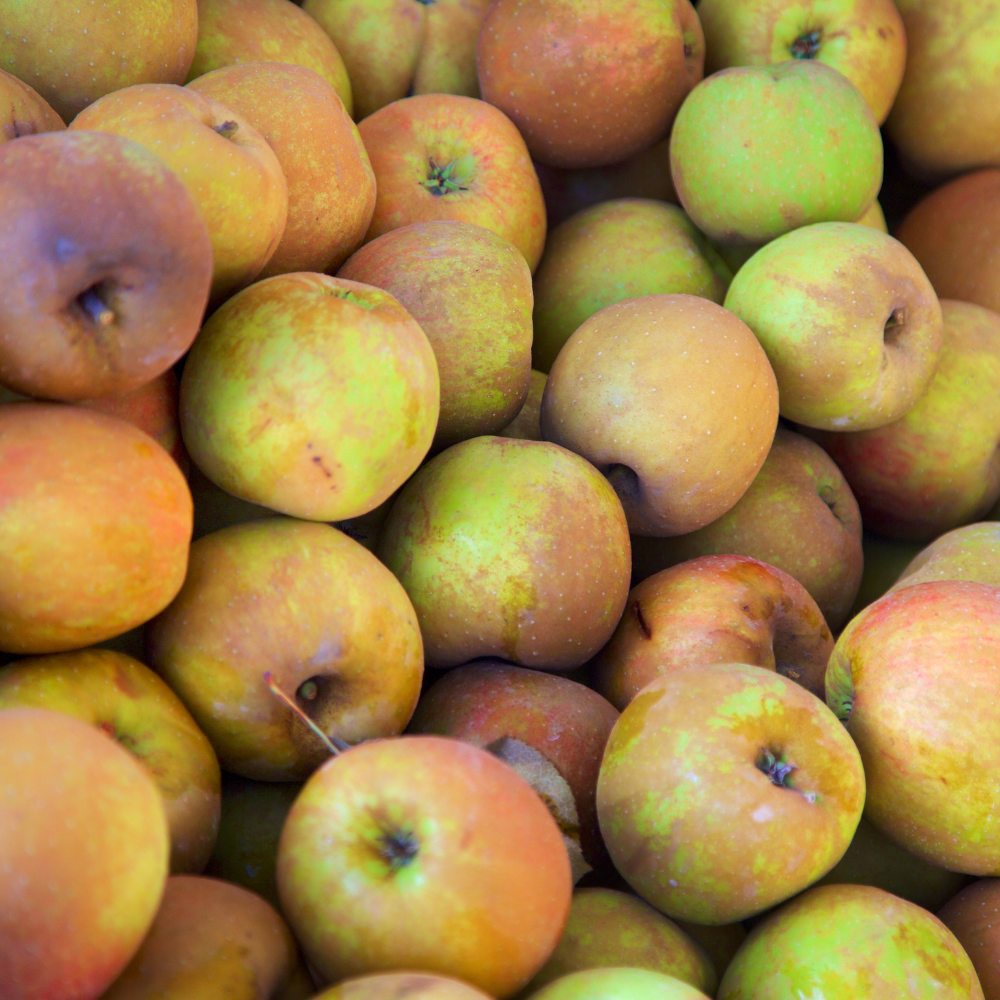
point(967, 553)
point(972, 917)
point(26, 111)
point(527, 425)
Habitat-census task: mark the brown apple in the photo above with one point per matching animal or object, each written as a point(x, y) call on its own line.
point(714, 609)
point(27, 112)
point(527, 425)
point(971, 916)
point(441, 156)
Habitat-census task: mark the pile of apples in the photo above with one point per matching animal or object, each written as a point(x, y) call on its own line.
point(487, 510)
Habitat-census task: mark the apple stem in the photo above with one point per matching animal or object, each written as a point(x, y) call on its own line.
point(334, 745)
point(95, 308)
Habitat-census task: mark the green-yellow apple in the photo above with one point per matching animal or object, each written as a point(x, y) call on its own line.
point(673, 399)
point(972, 917)
point(617, 984)
point(971, 552)
point(26, 111)
point(849, 321)
point(850, 942)
point(607, 929)
point(471, 292)
point(311, 395)
point(873, 217)
point(946, 118)
point(618, 250)
point(393, 50)
point(863, 39)
point(129, 703)
point(402, 986)
point(331, 187)
point(912, 677)
point(953, 232)
point(798, 515)
point(527, 425)
point(568, 723)
point(313, 608)
point(105, 266)
point(84, 842)
point(233, 32)
point(424, 853)
point(226, 164)
point(757, 151)
point(510, 548)
point(214, 939)
point(936, 468)
point(95, 524)
point(704, 774)
point(442, 156)
point(714, 609)
point(629, 63)
point(74, 53)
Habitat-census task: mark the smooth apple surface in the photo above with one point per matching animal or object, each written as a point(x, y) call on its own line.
point(971, 552)
point(402, 986)
point(610, 984)
point(27, 112)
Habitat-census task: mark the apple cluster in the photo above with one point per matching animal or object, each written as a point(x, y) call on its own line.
point(487, 509)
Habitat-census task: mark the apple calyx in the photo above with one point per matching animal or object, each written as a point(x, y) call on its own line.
point(440, 180)
point(398, 848)
point(308, 690)
point(775, 768)
point(806, 46)
point(894, 326)
point(227, 129)
point(840, 686)
point(96, 309)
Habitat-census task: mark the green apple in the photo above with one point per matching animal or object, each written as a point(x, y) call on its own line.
point(967, 553)
point(618, 984)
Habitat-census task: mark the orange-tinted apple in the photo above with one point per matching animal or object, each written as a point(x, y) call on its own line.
point(26, 111)
point(441, 156)
point(527, 425)
point(972, 916)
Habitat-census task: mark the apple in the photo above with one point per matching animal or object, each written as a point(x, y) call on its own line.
point(331, 187)
point(104, 267)
point(471, 292)
point(966, 553)
point(607, 929)
point(315, 396)
point(797, 515)
point(849, 321)
point(618, 250)
point(308, 605)
point(874, 217)
point(971, 916)
point(29, 112)
point(211, 938)
point(79, 52)
point(885, 559)
point(714, 609)
point(851, 942)
point(442, 156)
point(935, 468)
point(401, 986)
point(238, 32)
point(424, 853)
point(394, 50)
point(527, 425)
point(947, 114)
point(509, 548)
point(226, 164)
point(720, 942)
point(673, 399)
point(863, 39)
point(95, 523)
point(84, 842)
point(214, 508)
point(702, 775)
point(628, 63)
point(566, 722)
point(757, 151)
point(610, 984)
point(128, 702)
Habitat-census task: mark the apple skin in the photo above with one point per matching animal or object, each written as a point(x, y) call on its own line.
point(424, 853)
point(936, 467)
point(566, 722)
point(104, 269)
point(607, 929)
point(471, 292)
point(443, 156)
point(238, 32)
point(605, 984)
point(714, 609)
point(331, 186)
point(618, 250)
point(311, 395)
point(95, 521)
point(128, 702)
point(311, 606)
point(227, 165)
point(757, 151)
point(907, 676)
point(393, 49)
point(509, 548)
point(797, 515)
point(84, 839)
point(845, 942)
point(971, 916)
point(967, 553)
point(527, 425)
point(630, 63)
point(863, 39)
point(83, 52)
point(402, 986)
point(714, 742)
point(211, 938)
point(950, 65)
point(849, 322)
point(27, 112)
point(673, 399)
point(885, 559)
